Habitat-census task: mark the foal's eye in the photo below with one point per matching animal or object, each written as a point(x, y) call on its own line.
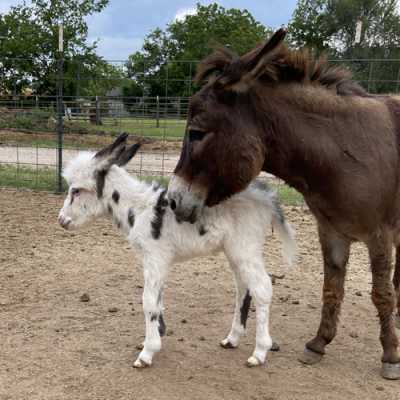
point(75, 192)
point(195, 135)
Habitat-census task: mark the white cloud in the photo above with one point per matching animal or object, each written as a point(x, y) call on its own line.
point(182, 13)
point(117, 47)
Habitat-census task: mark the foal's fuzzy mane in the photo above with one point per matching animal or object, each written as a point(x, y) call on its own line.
point(284, 65)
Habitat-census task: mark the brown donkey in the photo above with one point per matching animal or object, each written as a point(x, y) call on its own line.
point(308, 123)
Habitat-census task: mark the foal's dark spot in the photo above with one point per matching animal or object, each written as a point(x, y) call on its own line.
point(244, 310)
point(115, 196)
point(131, 217)
point(119, 224)
point(162, 328)
point(202, 230)
point(110, 210)
point(159, 211)
point(100, 182)
point(153, 317)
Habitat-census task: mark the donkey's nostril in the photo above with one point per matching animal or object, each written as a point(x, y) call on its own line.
point(172, 204)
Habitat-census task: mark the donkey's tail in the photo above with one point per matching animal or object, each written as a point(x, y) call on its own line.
point(286, 233)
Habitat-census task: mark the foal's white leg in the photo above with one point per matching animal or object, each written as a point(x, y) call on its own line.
point(262, 294)
point(260, 288)
point(241, 311)
point(154, 275)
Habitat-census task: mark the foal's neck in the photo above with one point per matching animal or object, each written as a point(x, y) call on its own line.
point(125, 197)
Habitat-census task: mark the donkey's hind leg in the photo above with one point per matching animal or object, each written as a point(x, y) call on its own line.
point(396, 284)
point(335, 251)
point(384, 298)
point(242, 306)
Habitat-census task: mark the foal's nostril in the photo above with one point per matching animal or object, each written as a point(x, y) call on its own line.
point(172, 204)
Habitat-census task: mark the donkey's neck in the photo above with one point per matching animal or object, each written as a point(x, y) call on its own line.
point(125, 197)
point(303, 143)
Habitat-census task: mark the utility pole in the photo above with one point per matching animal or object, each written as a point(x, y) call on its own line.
point(60, 121)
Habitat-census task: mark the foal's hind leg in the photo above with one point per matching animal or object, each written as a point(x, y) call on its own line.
point(396, 284)
point(335, 251)
point(384, 298)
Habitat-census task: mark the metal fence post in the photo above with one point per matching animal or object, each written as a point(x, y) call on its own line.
point(158, 111)
point(98, 116)
point(60, 122)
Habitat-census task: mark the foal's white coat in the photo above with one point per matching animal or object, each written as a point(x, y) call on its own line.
point(237, 227)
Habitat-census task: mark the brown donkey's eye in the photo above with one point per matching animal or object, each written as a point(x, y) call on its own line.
point(195, 135)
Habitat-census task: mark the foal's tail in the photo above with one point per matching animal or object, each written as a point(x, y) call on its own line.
point(286, 233)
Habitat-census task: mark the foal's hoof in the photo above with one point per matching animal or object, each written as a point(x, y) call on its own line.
point(140, 346)
point(397, 321)
point(391, 371)
point(310, 357)
point(253, 362)
point(226, 344)
point(141, 364)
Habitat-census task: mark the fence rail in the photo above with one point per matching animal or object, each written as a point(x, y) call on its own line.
point(39, 133)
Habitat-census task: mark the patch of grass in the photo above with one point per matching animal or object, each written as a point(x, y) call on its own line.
point(288, 195)
point(168, 128)
point(28, 178)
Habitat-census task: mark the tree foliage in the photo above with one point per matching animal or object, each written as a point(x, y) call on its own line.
point(172, 53)
point(29, 46)
point(330, 26)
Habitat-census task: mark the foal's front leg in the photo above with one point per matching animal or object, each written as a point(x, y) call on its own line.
point(154, 275)
point(242, 306)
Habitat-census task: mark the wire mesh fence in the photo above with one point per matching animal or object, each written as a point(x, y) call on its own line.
point(82, 110)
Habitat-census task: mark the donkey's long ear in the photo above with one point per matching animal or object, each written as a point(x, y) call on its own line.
point(258, 62)
point(265, 51)
point(128, 154)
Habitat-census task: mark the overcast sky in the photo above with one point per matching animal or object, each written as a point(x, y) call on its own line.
point(123, 24)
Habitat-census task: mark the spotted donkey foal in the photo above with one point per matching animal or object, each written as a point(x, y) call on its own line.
point(98, 186)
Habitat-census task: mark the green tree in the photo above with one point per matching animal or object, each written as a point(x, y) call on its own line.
point(29, 46)
point(166, 63)
point(330, 26)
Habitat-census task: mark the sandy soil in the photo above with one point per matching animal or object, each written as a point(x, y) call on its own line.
point(54, 346)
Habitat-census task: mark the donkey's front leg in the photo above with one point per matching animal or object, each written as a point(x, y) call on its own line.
point(335, 251)
point(153, 312)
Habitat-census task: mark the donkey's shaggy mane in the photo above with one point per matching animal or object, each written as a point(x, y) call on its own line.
point(283, 65)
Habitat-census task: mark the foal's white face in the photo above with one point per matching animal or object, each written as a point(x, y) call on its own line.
point(81, 206)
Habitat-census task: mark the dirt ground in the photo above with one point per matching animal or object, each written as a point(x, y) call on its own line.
point(54, 346)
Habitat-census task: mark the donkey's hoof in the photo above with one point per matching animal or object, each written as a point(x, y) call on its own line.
point(275, 347)
point(226, 344)
point(253, 362)
point(141, 364)
point(140, 346)
point(310, 357)
point(391, 371)
point(397, 321)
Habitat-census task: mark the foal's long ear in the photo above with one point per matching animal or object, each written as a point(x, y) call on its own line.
point(256, 62)
point(128, 154)
point(110, 154)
